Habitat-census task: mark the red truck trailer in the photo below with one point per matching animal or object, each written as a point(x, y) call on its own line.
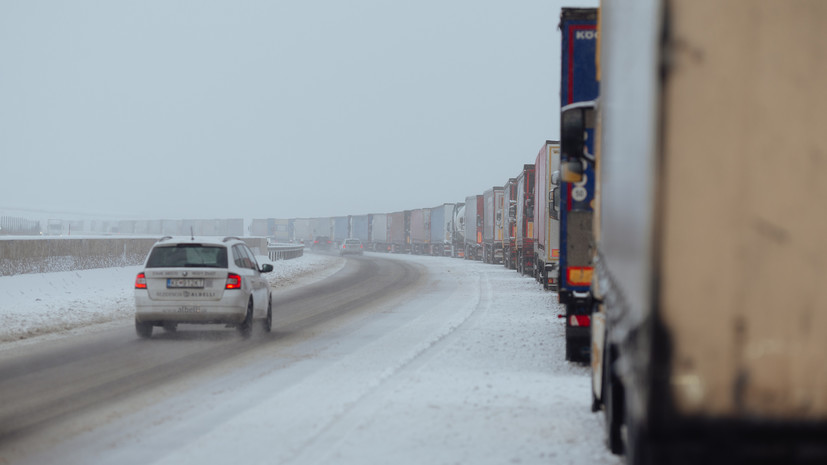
point(510, 224)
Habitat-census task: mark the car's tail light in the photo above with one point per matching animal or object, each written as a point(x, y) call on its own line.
point(233, 281)
point(140, 281)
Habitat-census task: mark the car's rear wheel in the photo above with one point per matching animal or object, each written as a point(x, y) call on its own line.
point(246, 326)
point(144, 330)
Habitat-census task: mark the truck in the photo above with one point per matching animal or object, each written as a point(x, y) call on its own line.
point(474, 210)
point(379, 232)
point(547, 215)
point(442, 217)
point(578, 90)
point(492, 225)
point(708, 336)
point(321, 226)
point(360, 227)
point(280, 230)
point(399, 231)
point(458, 231)
point(273, 228)
point(302, 231)
point(510, 224)
point(524, 221)
point(340, 229)
point(421, 231)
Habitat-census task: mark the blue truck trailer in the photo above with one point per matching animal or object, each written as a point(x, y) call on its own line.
point(360, 227)
point(578, 90)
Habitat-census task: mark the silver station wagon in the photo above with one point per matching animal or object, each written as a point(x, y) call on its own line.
point(202, 281)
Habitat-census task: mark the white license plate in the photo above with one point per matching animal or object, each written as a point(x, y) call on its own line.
point(185, 283)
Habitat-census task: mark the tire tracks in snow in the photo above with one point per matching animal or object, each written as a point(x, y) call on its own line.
point(320, 447)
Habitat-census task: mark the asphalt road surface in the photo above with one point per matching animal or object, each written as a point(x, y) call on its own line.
point(56, 389)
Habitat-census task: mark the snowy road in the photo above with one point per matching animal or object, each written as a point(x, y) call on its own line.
point(392, 359)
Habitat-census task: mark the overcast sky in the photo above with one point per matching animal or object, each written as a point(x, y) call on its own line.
point(257, 109)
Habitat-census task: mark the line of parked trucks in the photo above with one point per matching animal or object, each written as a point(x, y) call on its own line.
point(681, 220)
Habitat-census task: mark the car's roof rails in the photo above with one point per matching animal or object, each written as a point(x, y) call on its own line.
point(231, 238)
point(164, 238)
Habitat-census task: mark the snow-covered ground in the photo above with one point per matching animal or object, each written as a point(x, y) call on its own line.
point(471, 370)
point(48, 303)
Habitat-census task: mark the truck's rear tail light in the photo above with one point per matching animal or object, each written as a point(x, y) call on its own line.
point(583, 321)
point(233, 281)
point(140, 281)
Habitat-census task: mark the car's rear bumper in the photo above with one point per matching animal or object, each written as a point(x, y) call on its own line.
point(231, 310)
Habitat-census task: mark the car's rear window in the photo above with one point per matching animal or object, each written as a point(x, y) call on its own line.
point(188, 255)
point(352, 242)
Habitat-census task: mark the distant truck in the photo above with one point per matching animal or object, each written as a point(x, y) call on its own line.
point(547, 215)
point(578, 90)
point(492, 227)
point(708, 343)
point(474, 210)
point(302, 231)
point(510, 224)
point(442, 226)
point(458, 231)
point(421, 231)
point(399, 231)
point(321, 226)
point(275, 229)
point(524, 221)
point(360, 227)
point(340, 229)
point(379, 232)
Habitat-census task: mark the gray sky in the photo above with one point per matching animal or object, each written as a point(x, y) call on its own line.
point(256, 109)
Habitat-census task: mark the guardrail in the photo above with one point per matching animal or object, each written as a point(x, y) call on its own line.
point(284, 251)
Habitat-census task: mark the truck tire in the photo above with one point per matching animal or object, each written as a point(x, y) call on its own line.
point(612, 404)
point(640, 450)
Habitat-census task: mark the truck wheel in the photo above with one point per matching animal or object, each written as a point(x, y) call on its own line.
point(612, 404)
point(639, 450)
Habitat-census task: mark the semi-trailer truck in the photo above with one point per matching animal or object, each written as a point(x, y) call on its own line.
point(708, 342)
point(510, 224)
point(578, 90)
point(492, 228)
point(474, 211)
point(547, 215)
point(441, 229)
point(524, 220)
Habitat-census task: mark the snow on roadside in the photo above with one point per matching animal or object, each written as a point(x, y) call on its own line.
point(48, 303)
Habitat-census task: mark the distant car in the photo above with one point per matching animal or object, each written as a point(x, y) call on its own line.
point(322, 243)
point(353, 246)
point(201, 281)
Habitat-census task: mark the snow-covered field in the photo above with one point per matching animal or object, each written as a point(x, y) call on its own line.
point(48, 303)
point(471, 370)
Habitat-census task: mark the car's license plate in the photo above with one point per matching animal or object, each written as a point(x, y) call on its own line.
point(177, 283)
